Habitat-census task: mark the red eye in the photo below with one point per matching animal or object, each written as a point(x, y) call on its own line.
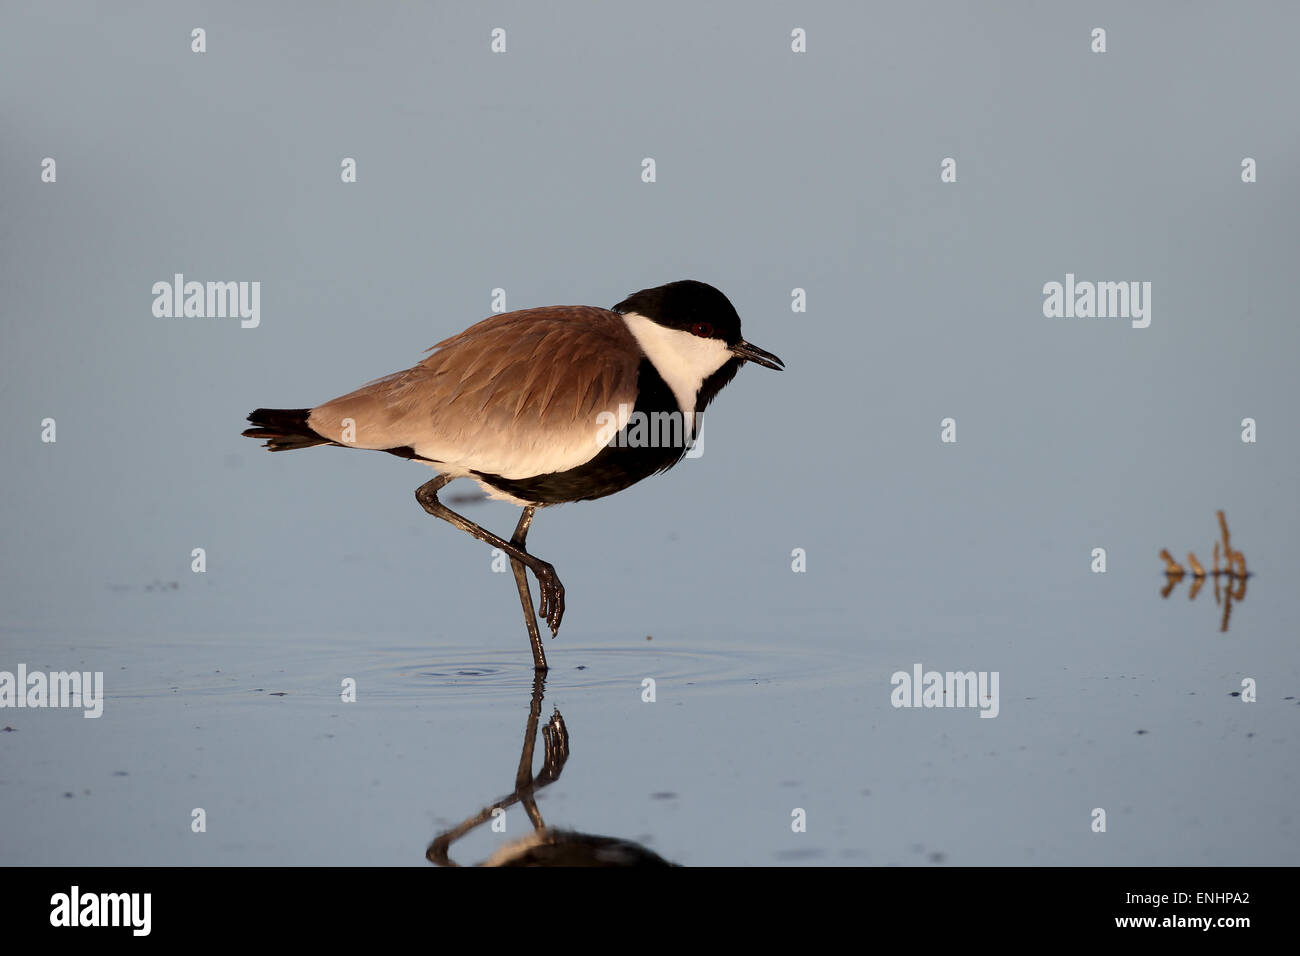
point(702, 329)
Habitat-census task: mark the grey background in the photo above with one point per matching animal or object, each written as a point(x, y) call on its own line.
point(775, 171)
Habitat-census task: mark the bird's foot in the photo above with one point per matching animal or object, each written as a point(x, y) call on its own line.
point(552, 597)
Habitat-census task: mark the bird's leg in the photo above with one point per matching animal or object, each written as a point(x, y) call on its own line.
point(551, 590)
point(525, 596)
point(557, 751)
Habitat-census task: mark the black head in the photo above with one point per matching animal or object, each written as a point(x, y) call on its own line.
point(685, 305)
point(700, 309)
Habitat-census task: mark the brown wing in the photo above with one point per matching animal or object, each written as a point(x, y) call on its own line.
point(515, 395)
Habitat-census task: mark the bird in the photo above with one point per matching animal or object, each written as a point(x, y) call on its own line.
point(540, 407)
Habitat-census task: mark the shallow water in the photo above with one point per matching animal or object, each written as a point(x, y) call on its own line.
point(742, 732)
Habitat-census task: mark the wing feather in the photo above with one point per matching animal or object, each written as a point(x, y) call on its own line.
point(515, 395)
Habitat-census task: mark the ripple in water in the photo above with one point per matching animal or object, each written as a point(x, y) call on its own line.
point(394, 673)
point(419, 671)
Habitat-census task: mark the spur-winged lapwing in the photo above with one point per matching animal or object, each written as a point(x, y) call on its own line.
point(540, 407)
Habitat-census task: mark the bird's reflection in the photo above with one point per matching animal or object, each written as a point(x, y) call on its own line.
point(544, 846)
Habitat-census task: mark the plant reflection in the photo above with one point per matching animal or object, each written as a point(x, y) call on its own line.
point(1233, 573)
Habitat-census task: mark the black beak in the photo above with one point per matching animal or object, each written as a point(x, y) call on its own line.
point(752, 353)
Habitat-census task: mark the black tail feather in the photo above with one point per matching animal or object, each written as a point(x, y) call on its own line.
point(284, 429)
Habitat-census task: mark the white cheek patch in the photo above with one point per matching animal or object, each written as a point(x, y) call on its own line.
point(683, 360)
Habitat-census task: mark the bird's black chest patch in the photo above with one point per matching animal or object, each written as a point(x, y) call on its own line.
point(653, 440)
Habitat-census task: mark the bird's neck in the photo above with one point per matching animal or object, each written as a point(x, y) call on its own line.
point(686, 362)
